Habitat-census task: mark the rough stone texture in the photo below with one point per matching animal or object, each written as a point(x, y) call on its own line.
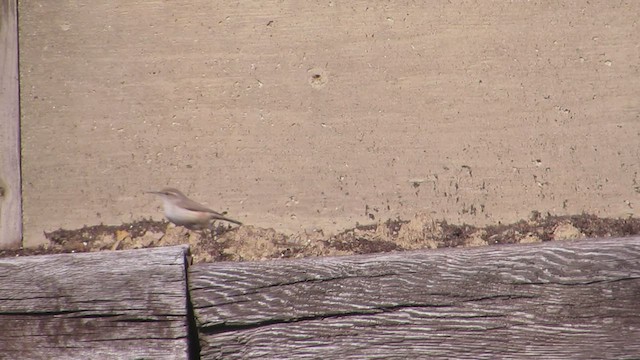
point(301, 116)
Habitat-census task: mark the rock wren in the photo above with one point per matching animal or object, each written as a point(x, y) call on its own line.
point(183, 211)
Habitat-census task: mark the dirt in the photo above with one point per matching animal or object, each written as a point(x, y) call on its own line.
point(244, 243)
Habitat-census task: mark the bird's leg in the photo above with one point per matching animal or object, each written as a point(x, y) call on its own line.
point(213, 230)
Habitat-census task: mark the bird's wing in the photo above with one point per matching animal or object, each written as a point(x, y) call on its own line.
point(192, 205)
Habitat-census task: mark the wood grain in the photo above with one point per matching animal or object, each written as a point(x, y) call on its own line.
point(10, 196)
point(551, 300)
point(106, 305)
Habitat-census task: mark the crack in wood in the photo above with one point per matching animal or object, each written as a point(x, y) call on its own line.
point(576, 283)
point(327, 279)
point(225, 327)
point(193, 338)
point(301, 281)
point(503, 296)
point(37, 314)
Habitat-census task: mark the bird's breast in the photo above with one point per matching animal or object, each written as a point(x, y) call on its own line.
point(182, 216)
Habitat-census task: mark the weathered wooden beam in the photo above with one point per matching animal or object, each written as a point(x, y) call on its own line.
point(10, 195)
point(551, 300)
point(104, 305)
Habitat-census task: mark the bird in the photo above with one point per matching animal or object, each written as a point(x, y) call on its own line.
point(182, 211)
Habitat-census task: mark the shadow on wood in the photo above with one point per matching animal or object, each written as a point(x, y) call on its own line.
point(551, 300)
point(105, 305)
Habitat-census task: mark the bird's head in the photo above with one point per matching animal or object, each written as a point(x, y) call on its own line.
point(168, 194)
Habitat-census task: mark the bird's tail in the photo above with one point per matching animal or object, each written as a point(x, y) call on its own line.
point(224, 218)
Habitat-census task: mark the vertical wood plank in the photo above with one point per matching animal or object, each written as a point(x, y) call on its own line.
point(10, 195)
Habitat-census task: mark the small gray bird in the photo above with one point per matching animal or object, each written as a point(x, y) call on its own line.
point(181, 210)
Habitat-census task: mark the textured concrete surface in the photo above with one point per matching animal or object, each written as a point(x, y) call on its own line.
point(303, 116)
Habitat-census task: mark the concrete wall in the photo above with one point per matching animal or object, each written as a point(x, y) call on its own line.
point(299, 115)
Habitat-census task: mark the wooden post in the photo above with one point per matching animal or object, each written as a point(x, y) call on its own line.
point(104, 305)
point(551, 300)
point(10, 195)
